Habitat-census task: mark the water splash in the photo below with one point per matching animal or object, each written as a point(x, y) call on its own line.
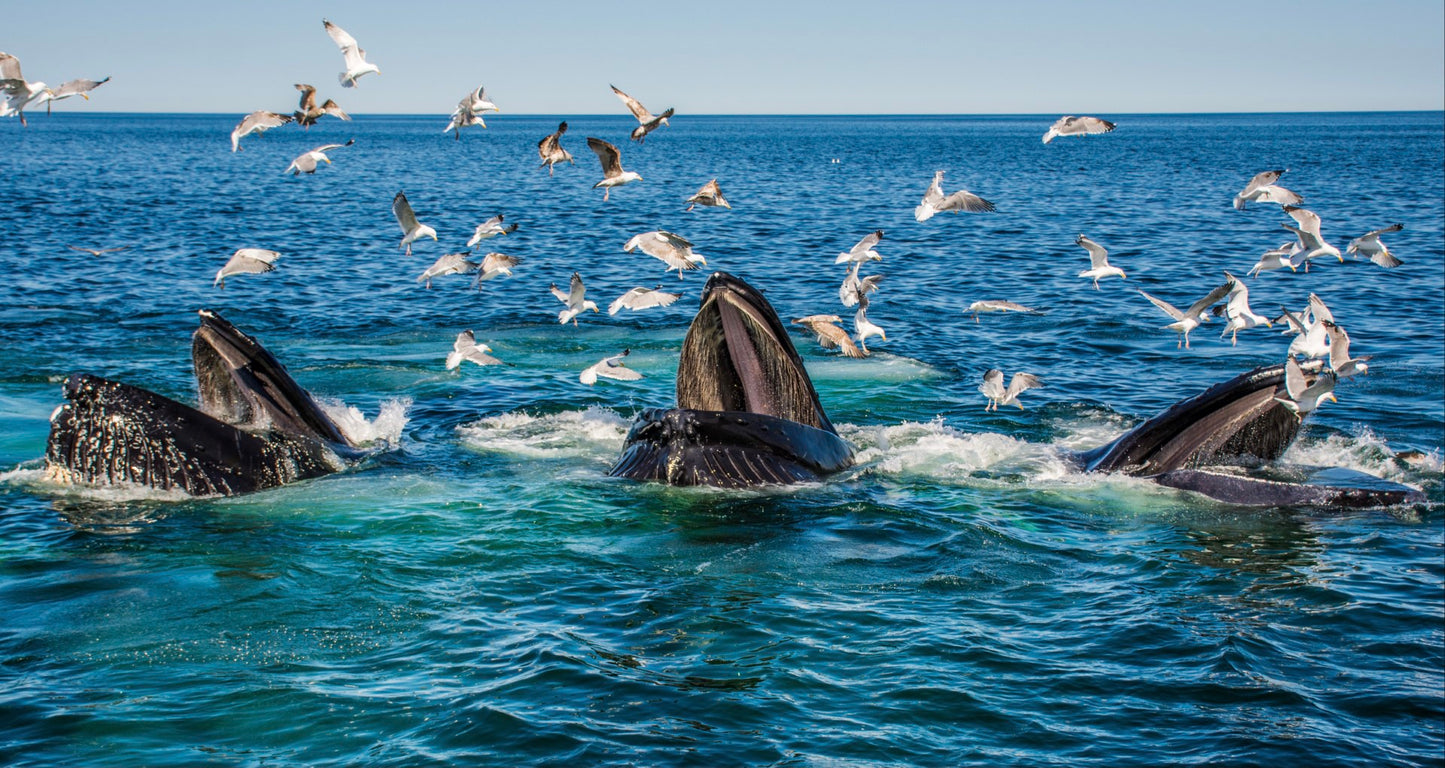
point(1364, 451)
point(384, 430)
point(595, 433)
point(933, 449)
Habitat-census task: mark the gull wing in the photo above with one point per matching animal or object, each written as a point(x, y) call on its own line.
point(676, 241)
point(401, 209)
point(1276, 194)
point(578, 291)
point(608, 155)
point(350, 50)
point(1168, 308)
point(1197, 308)
point(1375, 234)
point(1020, 382)
point(78, 87)
point(1339, 345)
point(1261, 179)
point(867, 243)
point(1320, 311)
point(1309, 221)
point(1294, 379)
point(1098, 257)
point(308, 96)
point(634, 106)
point(993, 384)
point(331, 108)
point(829, 334)
point(963, 200)
point(10, 67)
point(552, 141)
point(1092, 125)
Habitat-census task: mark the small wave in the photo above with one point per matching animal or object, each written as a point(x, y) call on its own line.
point(1364, 451)
point(594, 432)
point(383, 430)
point(50, 482)
point(934, 449)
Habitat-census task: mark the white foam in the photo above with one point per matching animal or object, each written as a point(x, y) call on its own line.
point(51, 482)
point(591, 433)
point(1362, 451)
point(385, 429)
point(933, 449)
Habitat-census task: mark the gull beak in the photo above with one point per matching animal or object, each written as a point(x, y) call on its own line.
point(327, 159)
point(1332, 397)
point(1020, 405)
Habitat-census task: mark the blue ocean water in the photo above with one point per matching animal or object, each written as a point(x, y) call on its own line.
point(478, 593)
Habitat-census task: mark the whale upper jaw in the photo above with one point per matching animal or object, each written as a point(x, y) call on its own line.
point(747, 413)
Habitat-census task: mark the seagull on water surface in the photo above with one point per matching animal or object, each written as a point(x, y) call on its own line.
point(352, 54)
point(612, 173)
point(935, 201)
point(993, 389)
point(411, 229)
point(247, 261)
point(1068, 125)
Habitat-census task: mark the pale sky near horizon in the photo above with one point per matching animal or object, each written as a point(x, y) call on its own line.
point(747, 57)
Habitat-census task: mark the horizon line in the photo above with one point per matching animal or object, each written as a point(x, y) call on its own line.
point(505, 115)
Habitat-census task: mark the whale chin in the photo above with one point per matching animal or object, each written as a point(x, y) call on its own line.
point(747, 413)
point(256, 428)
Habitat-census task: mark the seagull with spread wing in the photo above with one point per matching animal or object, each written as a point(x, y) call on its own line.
point(495, 264)
point(612, 173)
point(352, 54)
point(307, 113)
point(247, 261)
point(830, 334)
point(307, 162)
point(469, 111)
point(1311, 242)
point(1262, 189)
point(448, 264)
point(643, 298)
point(17, 93)
point(1304, 396)
point(1068, 125)
point(257, 122)
point(1369, 245)
point(551, 151)
point(575, 299)
point(411, 229)
point(96, 251)
point(710, 196)
point(648, 121)
point(467, 348)
point(674, 250)
point(862, 250)
point(1192, 318)
point(491, 228)
point(1238, 313)
point(993, 388)
point(610, 368)
point(1099, 267)
point(935, 201)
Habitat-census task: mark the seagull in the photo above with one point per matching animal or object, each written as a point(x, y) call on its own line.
point(16, 93)
point(612, 173)
point(1369, 245)
point(1341, 363)
point(853, 287)
point(355, 57)
point(642, 298)
point(247, 261)
point(257, 122)
point(674, 250)
point(307, 113)
point(1261, 189)
point(411, 229)
point(935, 201)
point(1237, 311)
point(574, 299)
point(710, 195)
point(863, 327)
point(494, 264)
point(490, 228)
point(96, 251)
point(1313, 340)
point(649, 122)
point(1192, 318)
point(1308, 233)
point(1069, 125)
point(611, 368)
point(1302, 399)
point(994, 305)
point(1099, 267)
point(469, 111)
point(448, 264)
point(306, 162)
point(830, 334)
point(1278, 258)
point(863, 251)
point(993, 389)
point(467, 348)
point(551, 151)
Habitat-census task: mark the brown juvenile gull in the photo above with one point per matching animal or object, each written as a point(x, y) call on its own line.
point(934, 201)
point(830, 334)
point(257, 122)
point(247, 261)
point(1069, 125)
point(494, 264)
point(612, 173)
point(551, 151)
point(649, 122)
point(710, 195)
point(307, 113)
point(354, 56)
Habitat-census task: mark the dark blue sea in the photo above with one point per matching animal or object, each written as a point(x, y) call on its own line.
point(477, 591)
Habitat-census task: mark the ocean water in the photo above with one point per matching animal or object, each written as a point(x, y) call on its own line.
point(477, 592)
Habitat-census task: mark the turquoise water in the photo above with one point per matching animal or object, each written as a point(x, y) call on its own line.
point(478, 592)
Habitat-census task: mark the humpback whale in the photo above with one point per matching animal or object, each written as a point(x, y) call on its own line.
point(256, 428)
point(747, 413)
point(1208, 442)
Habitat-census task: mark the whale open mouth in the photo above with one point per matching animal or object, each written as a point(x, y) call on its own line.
point(738, 357)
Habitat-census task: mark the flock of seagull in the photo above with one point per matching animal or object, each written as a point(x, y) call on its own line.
point(1317, 334)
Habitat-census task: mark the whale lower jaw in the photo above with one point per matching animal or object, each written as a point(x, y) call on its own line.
point(727, 449)
point(1320, 491)
point(109, 433)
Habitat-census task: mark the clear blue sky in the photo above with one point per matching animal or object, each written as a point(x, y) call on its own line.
point(747, 56)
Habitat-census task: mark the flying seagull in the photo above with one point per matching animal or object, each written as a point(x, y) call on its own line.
point(1237, 311)
point(674, 250)
point(1369, 245)
point(467, 348)
point(649, 122)
point(307, 113)
point(247, 261)
point(16, 93)
point(830, 335)
point(853, 286)
point(1262, 189)
point(494, 264)
point(1099, 267)
point(1341, 363)
point(355, 57)
point(1308, 233)
point(469, 111)
point(863, 327)
point(611, 368)
point(257, 122)
point(710, 195)
point(490, 228)
point(411, 229)
point(575, 299)
point(306, 162)
point(1278, 258)
point(1304, 397)
point(935, 201)
point(96, 251)
point(863, 250)
point(612, 173)
point(448, 264)
point(993, 389)
point(643, 298)
point(995, 305)
point(1192, 318)
point(551, 151)
point(1069, 125)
